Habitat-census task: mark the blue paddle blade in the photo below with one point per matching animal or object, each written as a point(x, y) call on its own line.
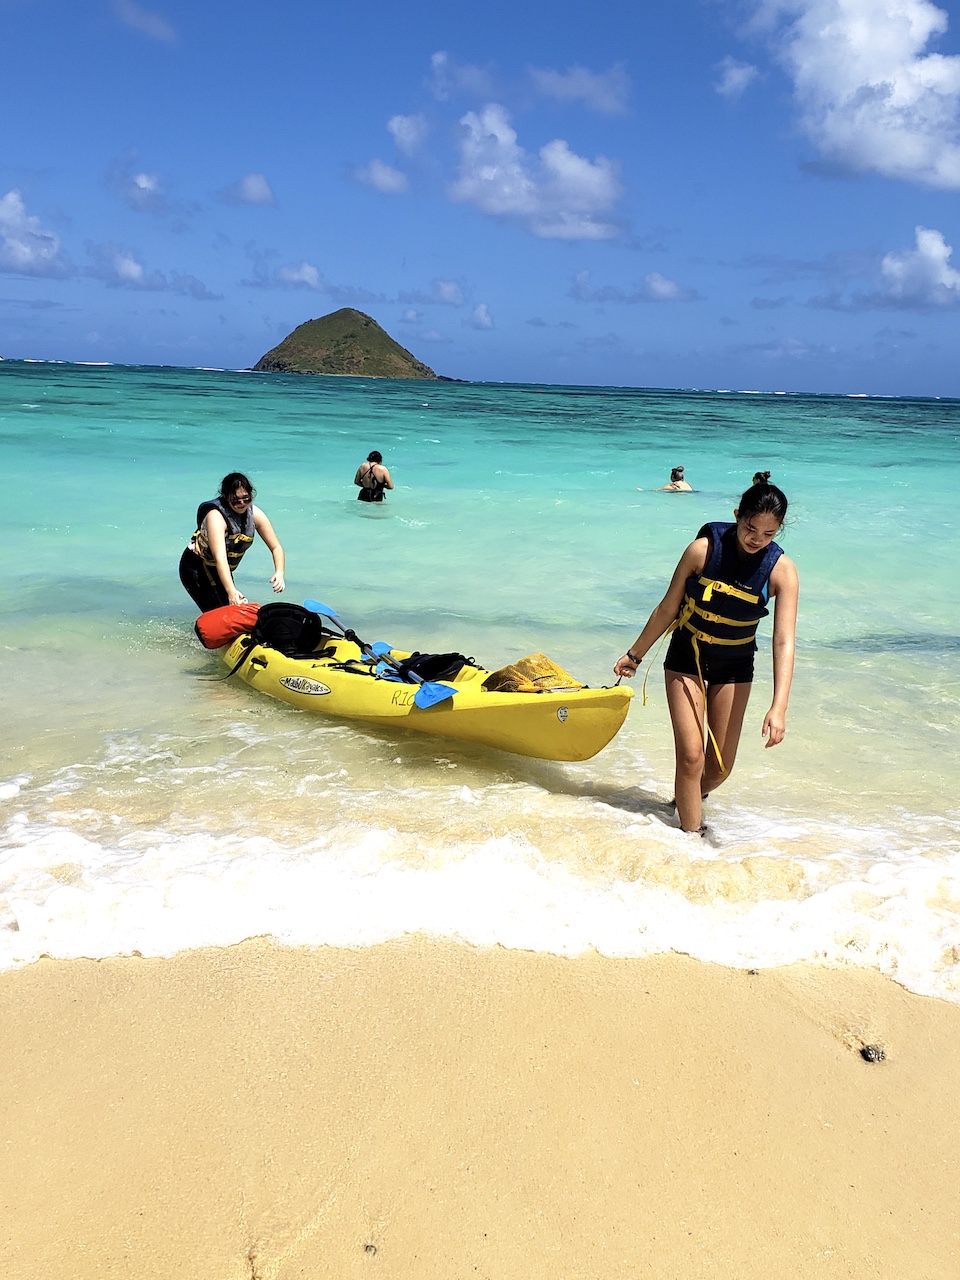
point(380, 647)
point(429, 694)
point(323, 609)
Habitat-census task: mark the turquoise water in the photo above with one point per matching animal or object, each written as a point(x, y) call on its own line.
point(147, 806)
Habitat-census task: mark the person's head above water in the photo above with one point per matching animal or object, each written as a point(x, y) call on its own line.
point(763, 499)
point(235, 483)
point(677, 474)
point(375, 456)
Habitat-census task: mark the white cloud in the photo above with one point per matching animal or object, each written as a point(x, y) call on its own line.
point(480, 317)
point(411, 316)
point(735, 77)
point(304, 274)
point(448, 78)
point(119, 268)
point(145, 192)
point(870, 97)
point(605, 91)
point(382, 177)
point(141, 191)
point(448, 293)
point(653, 288)
point(408, 132)
point(659, 289)
point(126, 270)
point(253, 188)
point(563, 197)
point(26, 247)
point(443, 293)
point(922, 277)
point(918, 279)
point(144, 20)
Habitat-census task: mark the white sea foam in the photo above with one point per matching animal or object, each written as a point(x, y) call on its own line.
point(65, 895)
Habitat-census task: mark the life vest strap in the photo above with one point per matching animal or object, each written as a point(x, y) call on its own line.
point(726, 622)
point(708, 734)
point(710, 585)
point(705, 639)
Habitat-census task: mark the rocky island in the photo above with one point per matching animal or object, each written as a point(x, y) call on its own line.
point(344, 342)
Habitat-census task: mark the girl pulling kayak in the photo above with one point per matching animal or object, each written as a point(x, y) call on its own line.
point(717, 595)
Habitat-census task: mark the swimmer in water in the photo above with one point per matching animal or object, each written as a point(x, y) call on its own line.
point(372, 478)
point(677, 483)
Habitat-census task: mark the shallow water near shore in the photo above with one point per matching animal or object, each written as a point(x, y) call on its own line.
point(148, 806)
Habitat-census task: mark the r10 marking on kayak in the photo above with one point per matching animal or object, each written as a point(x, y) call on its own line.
point(403, 697)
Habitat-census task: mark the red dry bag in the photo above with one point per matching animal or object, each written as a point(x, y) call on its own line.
point(218, 627)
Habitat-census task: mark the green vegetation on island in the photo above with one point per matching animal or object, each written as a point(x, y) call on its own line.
point(344, 342)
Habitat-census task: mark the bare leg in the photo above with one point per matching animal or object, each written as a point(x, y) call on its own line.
point(685, 700)
point(726, 704)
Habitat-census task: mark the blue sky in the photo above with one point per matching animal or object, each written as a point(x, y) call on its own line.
point(752, 194)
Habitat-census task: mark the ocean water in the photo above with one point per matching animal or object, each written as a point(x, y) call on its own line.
point(147, 805)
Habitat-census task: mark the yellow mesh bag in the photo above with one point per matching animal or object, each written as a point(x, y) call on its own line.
point(530, 675)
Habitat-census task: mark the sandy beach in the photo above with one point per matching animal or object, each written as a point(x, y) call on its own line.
point(421, 1109)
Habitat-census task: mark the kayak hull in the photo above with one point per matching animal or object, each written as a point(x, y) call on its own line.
point(551, 725)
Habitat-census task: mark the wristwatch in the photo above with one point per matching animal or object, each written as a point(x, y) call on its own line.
point(634, 659)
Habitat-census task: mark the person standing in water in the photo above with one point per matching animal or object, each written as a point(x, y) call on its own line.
point(677, 483)
point(717, 596)
point(372, 477)
point(226, 526)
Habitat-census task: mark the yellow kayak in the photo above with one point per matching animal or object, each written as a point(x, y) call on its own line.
point(551, 725)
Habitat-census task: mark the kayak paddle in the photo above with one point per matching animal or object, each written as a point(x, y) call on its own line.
point(429, 692)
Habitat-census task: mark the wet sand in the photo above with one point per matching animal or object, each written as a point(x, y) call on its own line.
point(424, 1110)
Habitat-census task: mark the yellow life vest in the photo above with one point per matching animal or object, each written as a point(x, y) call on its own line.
point(238, 536)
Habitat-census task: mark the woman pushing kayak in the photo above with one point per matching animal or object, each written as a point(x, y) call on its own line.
point(226, 526)
point(717, 596)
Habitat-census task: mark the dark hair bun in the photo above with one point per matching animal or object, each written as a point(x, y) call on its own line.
point(763, 498)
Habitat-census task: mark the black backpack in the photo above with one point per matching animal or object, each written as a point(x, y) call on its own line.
point(433, 666)
point(288, 628)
